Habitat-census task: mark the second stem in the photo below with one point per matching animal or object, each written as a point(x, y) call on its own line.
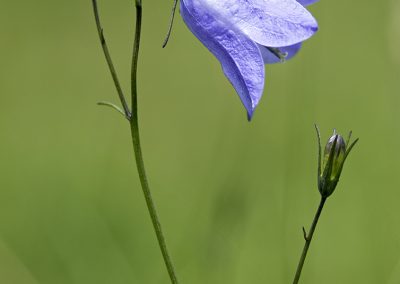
point(308, 239)
point(134, 126)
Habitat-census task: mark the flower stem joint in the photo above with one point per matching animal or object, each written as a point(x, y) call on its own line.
point(330, 165)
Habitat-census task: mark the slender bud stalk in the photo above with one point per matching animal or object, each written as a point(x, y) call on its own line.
point(329, 171)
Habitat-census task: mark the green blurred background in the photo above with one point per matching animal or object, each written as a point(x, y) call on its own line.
point(232, 195)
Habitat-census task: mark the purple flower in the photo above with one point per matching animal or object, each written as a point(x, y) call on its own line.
point(246, 34)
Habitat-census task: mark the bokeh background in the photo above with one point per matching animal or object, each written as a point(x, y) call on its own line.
point(232, 195)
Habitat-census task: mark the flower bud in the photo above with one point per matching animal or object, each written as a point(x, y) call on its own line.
point(338, 153)
point(334, 157)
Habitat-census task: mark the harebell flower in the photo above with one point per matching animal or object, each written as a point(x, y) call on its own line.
point(246, 34)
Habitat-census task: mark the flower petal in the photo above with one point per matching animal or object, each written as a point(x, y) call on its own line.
point(239, 56)
point(268, 22)
point(270, 58)
point(307, 2)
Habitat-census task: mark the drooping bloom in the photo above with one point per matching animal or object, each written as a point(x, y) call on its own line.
point(246, 34)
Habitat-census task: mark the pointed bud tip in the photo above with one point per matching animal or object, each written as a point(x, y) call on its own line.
point(333, 160)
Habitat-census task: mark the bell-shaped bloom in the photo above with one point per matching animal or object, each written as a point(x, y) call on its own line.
point(246, 34)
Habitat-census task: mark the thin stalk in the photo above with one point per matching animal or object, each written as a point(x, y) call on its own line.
point(134, 125)
point(308, 239)
point(109, 60)
point(132, 117)
point(171, 23)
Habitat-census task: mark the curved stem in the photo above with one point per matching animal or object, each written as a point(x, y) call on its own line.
point(134, 125)
point(308, 239)
point(171, 23)
point(109, 60)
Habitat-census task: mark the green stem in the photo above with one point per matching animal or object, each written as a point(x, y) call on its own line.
point(134, 125)
point(308, 239)
point(132, 117)
point(171, 23)
point(109, 60)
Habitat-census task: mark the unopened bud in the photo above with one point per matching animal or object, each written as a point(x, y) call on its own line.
point(335, 155)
